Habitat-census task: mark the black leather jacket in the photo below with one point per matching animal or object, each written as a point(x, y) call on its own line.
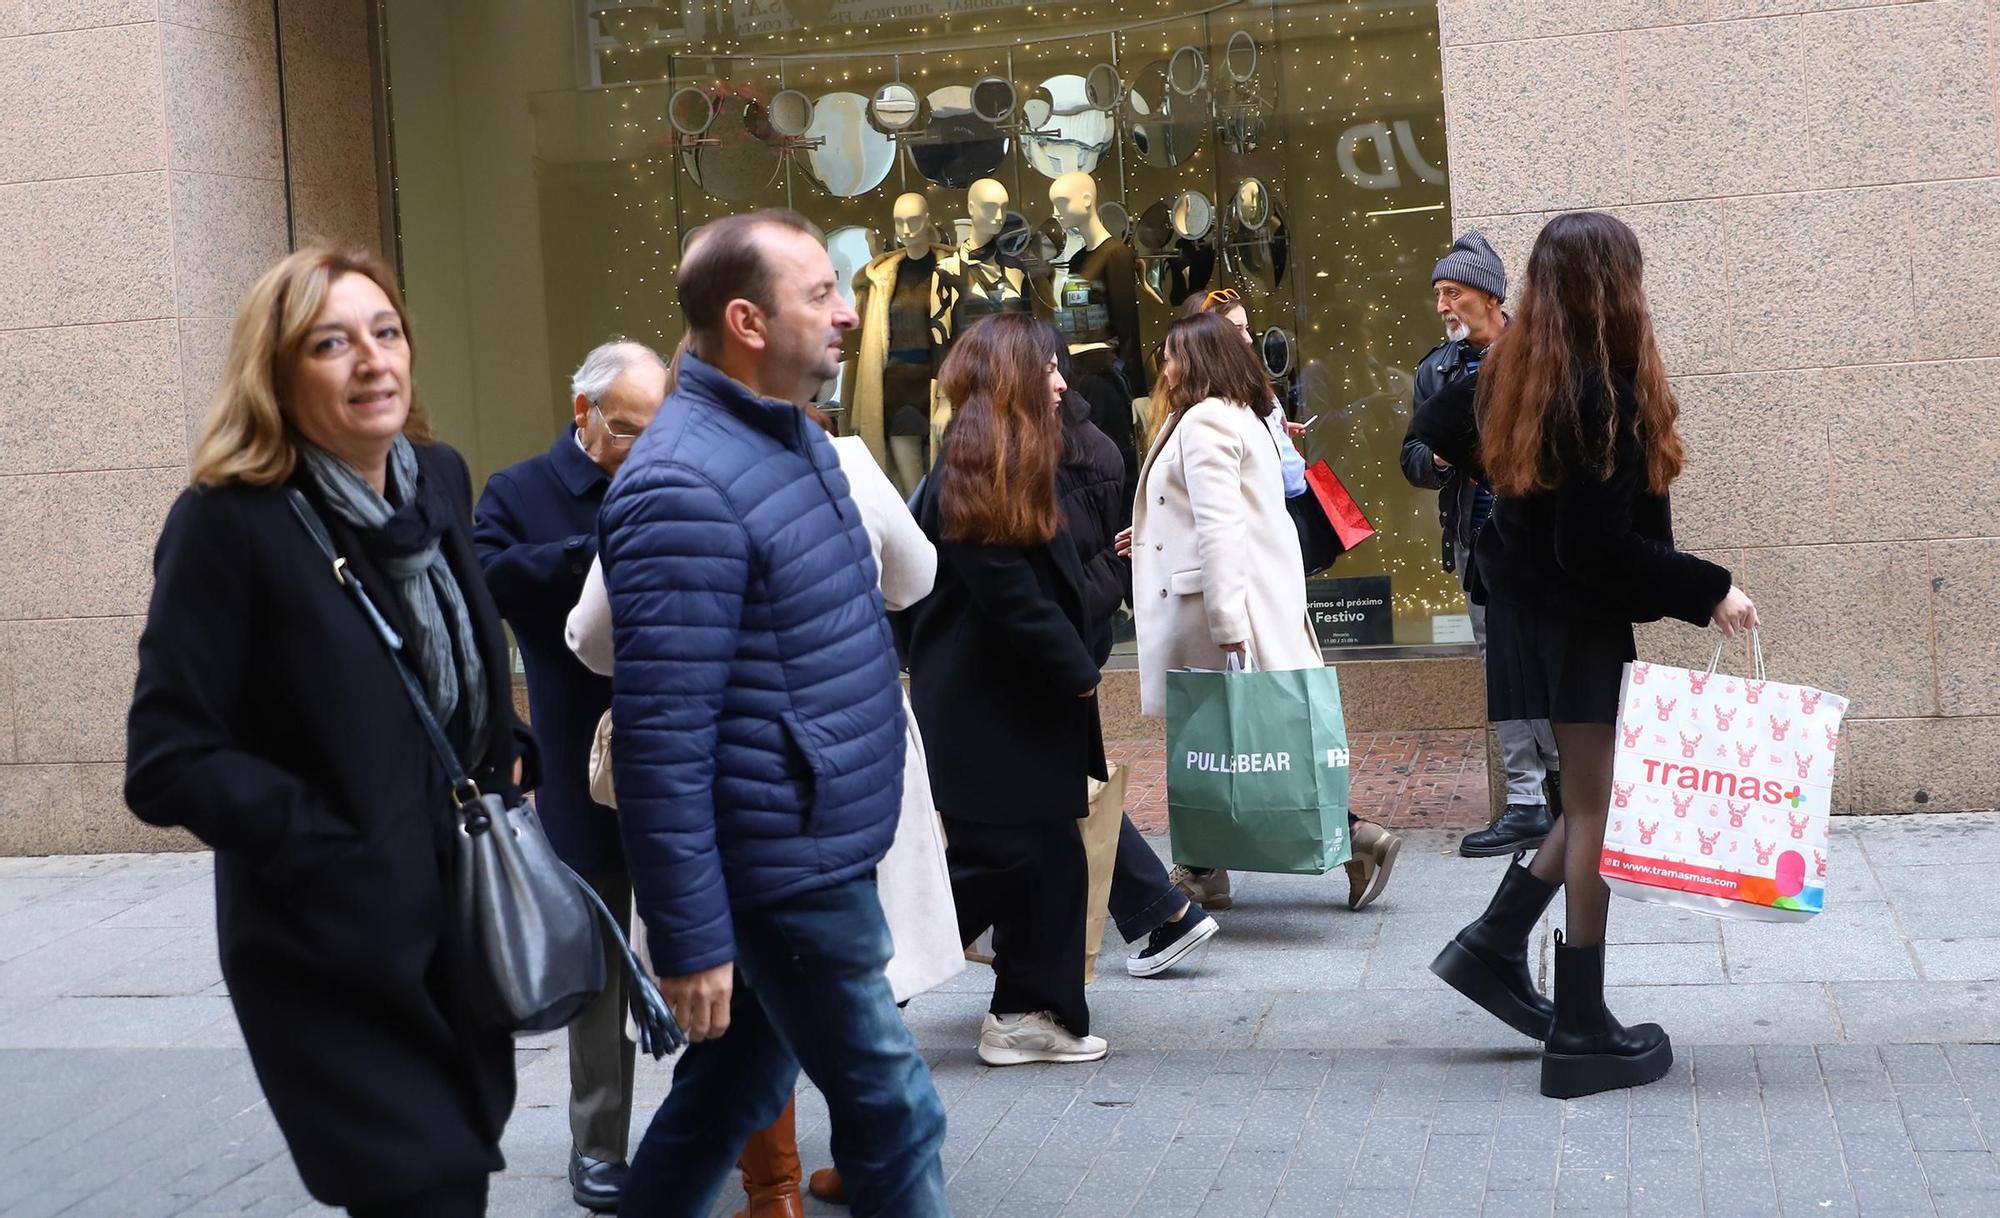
point(1463, 504)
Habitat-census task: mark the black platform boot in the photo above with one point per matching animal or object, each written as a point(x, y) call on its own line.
point(1488, 960)
point(1588, 1051)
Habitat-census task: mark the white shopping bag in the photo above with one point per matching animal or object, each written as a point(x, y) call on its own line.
point(1721, 792)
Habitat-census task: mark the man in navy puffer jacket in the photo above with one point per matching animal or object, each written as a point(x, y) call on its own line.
point(758, 729)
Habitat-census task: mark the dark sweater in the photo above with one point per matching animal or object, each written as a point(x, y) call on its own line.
point(1090, 483)
point(1596, 546)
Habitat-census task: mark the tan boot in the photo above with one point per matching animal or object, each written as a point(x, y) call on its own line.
point(1210, 890)
point(827, 1185)
point(1375, 850)
point(770, 1165)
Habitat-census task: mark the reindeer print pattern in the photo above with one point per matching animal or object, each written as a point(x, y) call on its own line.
point(1685, 740)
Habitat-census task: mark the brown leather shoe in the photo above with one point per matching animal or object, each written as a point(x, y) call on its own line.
point(826, 1184)
point(770, 1165)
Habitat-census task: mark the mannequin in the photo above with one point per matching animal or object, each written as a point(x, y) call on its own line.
point(1097, 310)
point(900, 297)
point(983, 280)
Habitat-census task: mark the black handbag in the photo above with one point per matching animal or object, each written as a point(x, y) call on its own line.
point(528, 927)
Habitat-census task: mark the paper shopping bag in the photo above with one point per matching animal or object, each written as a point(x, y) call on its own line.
point(1350, 523)
point(1721, 792)
point(1100, 852)
point(1257, 770)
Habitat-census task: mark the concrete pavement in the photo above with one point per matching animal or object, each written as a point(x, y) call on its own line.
point(1309, 1064)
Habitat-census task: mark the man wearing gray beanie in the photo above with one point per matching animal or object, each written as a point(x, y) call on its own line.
point(1468, 287)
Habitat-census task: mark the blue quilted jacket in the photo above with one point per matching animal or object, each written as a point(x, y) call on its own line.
point(756, 713)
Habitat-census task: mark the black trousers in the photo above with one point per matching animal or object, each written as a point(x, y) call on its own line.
point(1030, 884)
point(461, 1199)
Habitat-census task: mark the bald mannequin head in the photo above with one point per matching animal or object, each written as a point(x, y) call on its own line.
point(987, 200)
point(912, 216)
point(1074, 196)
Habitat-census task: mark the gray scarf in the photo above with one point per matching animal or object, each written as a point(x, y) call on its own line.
point(404, 541)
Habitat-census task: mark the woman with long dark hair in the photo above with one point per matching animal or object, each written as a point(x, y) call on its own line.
point(1004, 686)
point(1575, 431)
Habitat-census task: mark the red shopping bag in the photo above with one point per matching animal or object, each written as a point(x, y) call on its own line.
point(1349, 522)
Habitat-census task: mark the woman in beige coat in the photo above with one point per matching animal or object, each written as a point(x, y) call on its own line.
point(1215, 560)
point(1216, 567)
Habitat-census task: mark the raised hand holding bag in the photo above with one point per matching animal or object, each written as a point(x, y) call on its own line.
point(526, 924)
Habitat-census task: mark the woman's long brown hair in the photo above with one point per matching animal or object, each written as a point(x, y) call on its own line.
point(1583, 315)
point(1206, 357)
point(997, 469)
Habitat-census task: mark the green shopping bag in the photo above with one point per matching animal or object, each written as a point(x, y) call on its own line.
point(1257, 770)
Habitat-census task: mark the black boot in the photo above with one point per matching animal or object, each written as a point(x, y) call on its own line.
point(1488, 961)
point(1520, 827)
point(1588, 1051)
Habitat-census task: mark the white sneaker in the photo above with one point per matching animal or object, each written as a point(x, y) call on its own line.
point(1014, 1040)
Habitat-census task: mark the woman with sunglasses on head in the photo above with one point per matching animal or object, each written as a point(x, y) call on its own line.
point(1575, 431)
point(1374, 848)
point(1148, 907)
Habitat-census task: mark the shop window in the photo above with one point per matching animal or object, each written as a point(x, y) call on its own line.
point(1092, 164)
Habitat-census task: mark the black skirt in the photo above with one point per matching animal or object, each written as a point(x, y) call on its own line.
point(1559, 667)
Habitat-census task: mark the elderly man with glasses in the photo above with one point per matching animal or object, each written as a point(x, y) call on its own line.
point(536, 530)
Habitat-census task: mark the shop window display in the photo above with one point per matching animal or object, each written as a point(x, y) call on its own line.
point(1093, 166)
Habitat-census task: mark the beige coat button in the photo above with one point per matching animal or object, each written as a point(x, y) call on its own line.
point(1163, 594)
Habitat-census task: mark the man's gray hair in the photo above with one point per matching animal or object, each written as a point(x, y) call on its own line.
point(606, 363)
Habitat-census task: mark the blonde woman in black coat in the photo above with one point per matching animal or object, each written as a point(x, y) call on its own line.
point(269, 721)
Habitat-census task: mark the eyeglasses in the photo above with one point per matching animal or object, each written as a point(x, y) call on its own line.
point(1221, 296)
point(620, 438)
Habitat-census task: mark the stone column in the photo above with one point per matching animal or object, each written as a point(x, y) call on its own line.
point(1817, 193)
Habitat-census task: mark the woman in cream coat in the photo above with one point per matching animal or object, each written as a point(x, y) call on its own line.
point(1216, 566)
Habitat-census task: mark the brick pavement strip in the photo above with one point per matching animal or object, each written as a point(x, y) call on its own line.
point(1308, 1065)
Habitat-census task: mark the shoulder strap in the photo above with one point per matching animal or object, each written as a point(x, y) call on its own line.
point(463, 792)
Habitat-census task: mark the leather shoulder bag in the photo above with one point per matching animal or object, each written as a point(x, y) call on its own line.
point(529, 927)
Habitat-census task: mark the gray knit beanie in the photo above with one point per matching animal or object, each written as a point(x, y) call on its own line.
point(1473, 263)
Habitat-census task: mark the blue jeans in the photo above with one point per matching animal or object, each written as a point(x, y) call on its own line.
point(810, 992)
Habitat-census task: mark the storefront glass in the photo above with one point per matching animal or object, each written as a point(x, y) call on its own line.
point(1093, 165)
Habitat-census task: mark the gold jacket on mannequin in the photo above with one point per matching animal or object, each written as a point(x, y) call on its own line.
point(873, 289)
